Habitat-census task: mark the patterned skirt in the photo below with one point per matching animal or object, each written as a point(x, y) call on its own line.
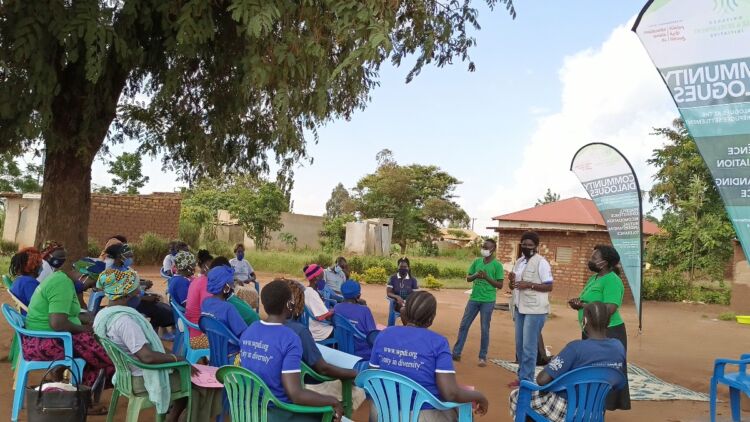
point(550, 405)
point(85, 347)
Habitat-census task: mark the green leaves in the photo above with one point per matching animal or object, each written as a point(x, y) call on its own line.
point(127, 172)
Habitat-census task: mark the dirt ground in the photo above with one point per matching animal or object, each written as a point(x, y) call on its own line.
point(679, 344)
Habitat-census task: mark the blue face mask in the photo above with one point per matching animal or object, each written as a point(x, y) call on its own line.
point(173, 253)
point(127, 262)
point(240, 256)
point(320, 284)
point(134, 301)
point(337, 269)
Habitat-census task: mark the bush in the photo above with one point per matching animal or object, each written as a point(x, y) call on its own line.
point(423, 269)
point(8, 247)
point(219, 248)
point(355, 276)
point(150, 250)
point(727, 316)
point(190, 233)
point(671, 286)
point(432, 283)
point(93, 249)
point(375, 275)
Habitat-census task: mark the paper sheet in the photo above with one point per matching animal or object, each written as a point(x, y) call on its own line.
point(337, 358)
point(206, 377)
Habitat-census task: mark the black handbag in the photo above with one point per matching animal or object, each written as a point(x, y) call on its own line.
point(58, 406)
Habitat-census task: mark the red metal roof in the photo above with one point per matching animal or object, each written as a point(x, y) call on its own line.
point(567, 211)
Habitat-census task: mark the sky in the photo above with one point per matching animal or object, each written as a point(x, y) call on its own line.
point(562, 74)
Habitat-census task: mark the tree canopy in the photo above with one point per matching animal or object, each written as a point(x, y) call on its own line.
point(214, 87)
point(548, 198)
point(339, 203)
point(15, 178)
point(128, 173)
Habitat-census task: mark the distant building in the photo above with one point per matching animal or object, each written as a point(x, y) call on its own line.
point(568, 230)
point(304, 229)
point(455, 238)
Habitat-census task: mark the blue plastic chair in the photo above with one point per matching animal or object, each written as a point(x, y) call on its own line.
point(305, 320)
point(736, 381)
point(346, 334)
point(392, 314)
point(16, 321)
point(219, 339)
point(398, 398)
point(585, 387)
point(182, 324)
point(95, 302)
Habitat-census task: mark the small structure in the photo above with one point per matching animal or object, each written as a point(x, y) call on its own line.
point(568, 230)
point(304, 228)
point(451, 238)
point(369, 237)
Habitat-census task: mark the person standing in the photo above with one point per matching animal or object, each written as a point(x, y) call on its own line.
point(606, 286)
point(531, 282)
point(487, 275)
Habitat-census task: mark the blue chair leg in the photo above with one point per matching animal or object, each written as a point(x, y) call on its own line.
point(712, 400)
point(734, 402)
point(20, 390)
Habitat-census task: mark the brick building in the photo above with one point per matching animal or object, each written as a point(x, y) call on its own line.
point(568, 231)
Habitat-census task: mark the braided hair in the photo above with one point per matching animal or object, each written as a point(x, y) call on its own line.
point(597, 316)
point(420, 309)
point(26, 262)
point(404, 260)
point(274, 296)
point(298, 296)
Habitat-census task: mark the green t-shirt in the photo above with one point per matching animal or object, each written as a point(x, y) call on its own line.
point(606, 289)
point(246, 311)
point(56, 295)
point(482, 291)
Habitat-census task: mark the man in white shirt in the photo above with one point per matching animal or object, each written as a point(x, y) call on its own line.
point(168, 263)
point(319, 329)
point(244, 274)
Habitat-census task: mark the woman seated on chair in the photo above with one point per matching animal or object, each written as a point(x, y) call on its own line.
point(24, 268)
point(423, 355)
point(401, 285)
point(221, 285)
point(359, 315)
point(319, 326)
point(197, 293)
point(130, 331)
point(245, 309)
point(179, 283)
point(273, 352)
point(596, 350)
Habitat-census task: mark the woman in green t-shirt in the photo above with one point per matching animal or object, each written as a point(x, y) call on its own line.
point(606, 286)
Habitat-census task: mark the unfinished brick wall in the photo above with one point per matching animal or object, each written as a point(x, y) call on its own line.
point(134, 215)
point(570, 277)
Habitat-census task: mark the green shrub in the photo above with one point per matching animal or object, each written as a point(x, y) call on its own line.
point(432, 283)
point(671, 286)
point(728, 316)
point(422, 269)
point(93, 249)
point(8, 247)
point(355, 276)
point(375, 275)
point(150, 250)
point(190, 233)
point(219, 248)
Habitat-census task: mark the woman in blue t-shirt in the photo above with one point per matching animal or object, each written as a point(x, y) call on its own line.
point(596, 350)
point(178, 284)
point(424, 356)
point(25, 267)
point(273, 352)
point(221, 286)
point(401, 284)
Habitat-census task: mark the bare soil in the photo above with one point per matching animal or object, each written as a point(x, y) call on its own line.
point(679, 344)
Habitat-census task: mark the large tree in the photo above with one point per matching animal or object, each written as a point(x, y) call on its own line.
point(214, 86)
point(339, 203)
point(419, 198)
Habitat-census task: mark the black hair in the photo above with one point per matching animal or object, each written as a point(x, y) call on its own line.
point(237, 246)
point(405, 260)
point(533, 236)
point(421, 308)
point(339, 259)
point(18, 263)
point(597, 315)
point(204, 256)
point(181, 246)
point(120, 237)
point(218, 262)
point(115, 251)
point(610, 255)
point(275, 295)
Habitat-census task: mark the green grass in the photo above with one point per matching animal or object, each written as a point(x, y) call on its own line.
point(727, 316)
point(4, 264)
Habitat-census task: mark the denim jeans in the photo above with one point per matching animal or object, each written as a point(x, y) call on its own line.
point(528, 328)
point(484, 309)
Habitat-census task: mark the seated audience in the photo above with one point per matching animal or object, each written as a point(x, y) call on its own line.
point(424, 356)
point(359, 315)
point(337, 274)
point(596, 350)
point(24, 268)
point(401, 284)
point(197, 293)
point(117, 239)
point(246, 311)
point(220, 285)
point(178, 284)
point(247, 285)
point(273, 352)
point(318, 310)
point(167, 265)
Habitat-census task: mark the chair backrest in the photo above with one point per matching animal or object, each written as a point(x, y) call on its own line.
point(95, 301)
point(304, 319)
point(346, 334)
point(121, 360)
point(7, 282)
point(219, 339)
point(20, 306)
point(398, 398)
point(587, 390)
point(14, 318)
point(247, 394)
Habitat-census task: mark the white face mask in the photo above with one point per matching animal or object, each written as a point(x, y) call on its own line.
point(486, 253)
point(109, 262)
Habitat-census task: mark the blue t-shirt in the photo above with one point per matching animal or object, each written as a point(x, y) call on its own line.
point(310, 352)
point(177, 287)
point(361, 318)
point(224, 312)
point(417, 353)
point(590, 352)
point(402, 286)
point(23, 287)
point(270, 350)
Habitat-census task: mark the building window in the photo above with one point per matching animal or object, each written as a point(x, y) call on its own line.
point(564, 255)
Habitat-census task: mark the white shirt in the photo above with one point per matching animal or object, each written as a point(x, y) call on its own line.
point(168, 264)
point(47, 271)
point(242, 269)
point(334, 279)
point(313, 302)
point(128, 336)
point(545, 273)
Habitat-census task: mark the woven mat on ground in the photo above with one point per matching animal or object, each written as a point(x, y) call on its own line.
point(643, 384)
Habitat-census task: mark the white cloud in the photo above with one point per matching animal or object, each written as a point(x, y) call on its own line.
point(610, 94)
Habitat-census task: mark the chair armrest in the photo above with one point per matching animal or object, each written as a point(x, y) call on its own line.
point(532, 386)
point(66, 338)
point(157, 366)
point(447, 405)
point(307, 371)
point(720, 364)
point(296, 408)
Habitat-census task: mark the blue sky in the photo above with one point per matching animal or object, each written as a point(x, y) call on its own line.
point(561, 75)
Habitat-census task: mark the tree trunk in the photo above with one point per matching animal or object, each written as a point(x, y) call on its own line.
point(403, 247)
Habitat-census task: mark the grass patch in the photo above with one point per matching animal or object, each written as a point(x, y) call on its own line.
point(727, 316)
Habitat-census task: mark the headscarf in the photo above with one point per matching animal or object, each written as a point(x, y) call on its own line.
point(185, 260)
point(117, 250)
point(218, 278)
point(117, 284)
point(111, 242)
point(350, 289)
point(313, 271)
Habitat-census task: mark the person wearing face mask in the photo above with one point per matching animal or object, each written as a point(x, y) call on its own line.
point(131, 332)
point(314, 303)
point(606, 286)
point(53, 258)
point(167, 265)
point(247, 287)
point(25, 266)
point(337, 274)
point(401, 284)
point(486, 274)
point(530, 282)
point(221, 286)
point(114, 240)
point(178, 284)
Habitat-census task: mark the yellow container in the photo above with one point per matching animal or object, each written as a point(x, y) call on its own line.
point(743, 319)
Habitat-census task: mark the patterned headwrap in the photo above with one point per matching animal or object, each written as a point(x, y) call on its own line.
point(219, 277)
point(117, 284)
point(312, 271)
point(185, 260)
point(49, 247)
